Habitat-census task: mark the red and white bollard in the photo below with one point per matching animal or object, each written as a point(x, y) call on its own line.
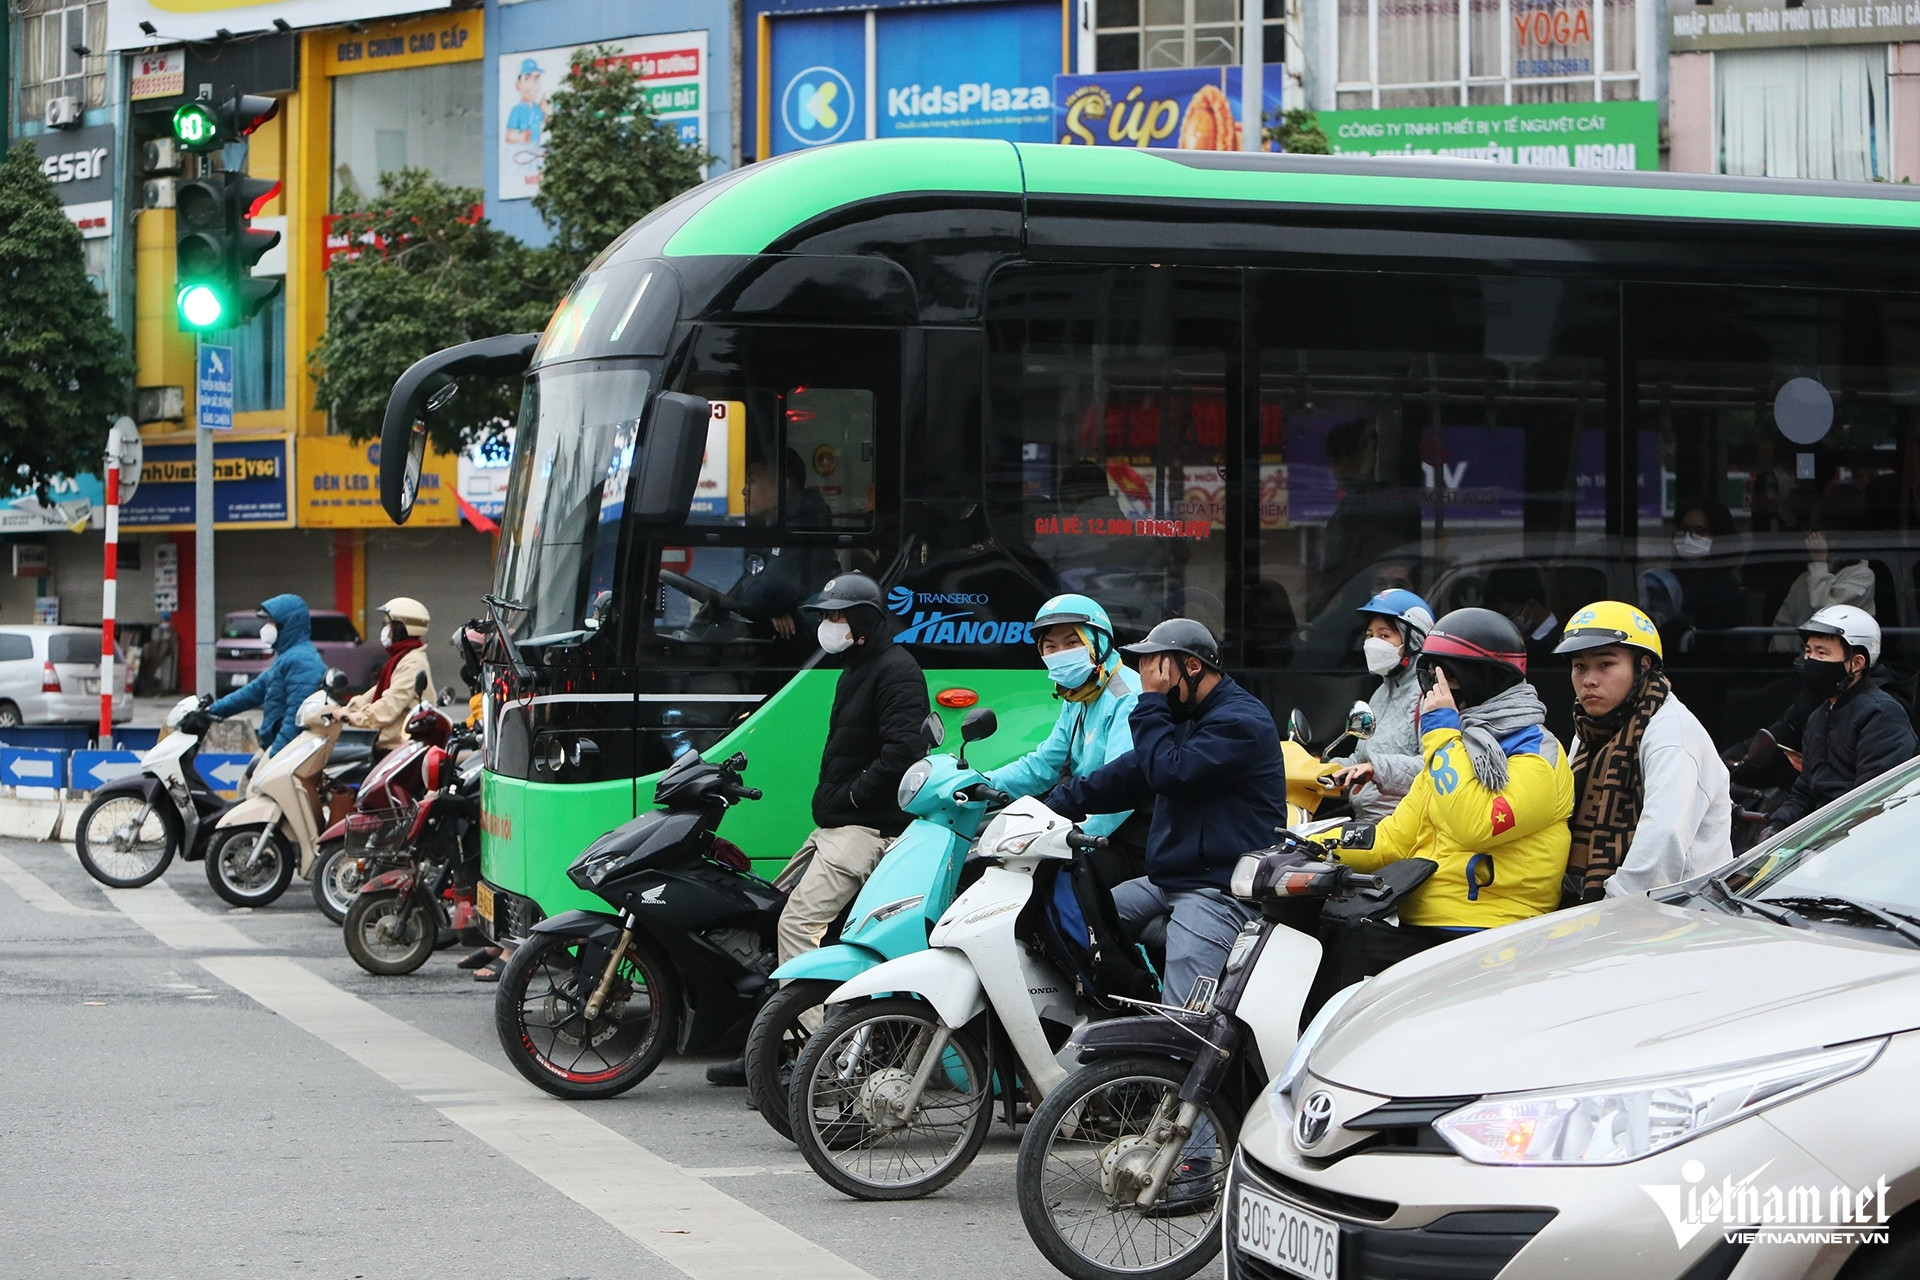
point(108, 585)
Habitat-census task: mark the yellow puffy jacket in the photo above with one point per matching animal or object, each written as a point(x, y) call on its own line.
point(1501, 854)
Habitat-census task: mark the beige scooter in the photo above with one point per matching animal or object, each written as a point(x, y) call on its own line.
point(275, 828)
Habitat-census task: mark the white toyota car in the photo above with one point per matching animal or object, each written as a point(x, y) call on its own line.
point(1722, 1084)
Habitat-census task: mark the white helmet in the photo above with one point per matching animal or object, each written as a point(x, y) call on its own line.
point(1854, 625)
point(409, 613)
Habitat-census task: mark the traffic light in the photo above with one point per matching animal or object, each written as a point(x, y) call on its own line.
point(215, 249)
point(199, 126)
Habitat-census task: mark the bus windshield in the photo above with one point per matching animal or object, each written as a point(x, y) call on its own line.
point(574, 450)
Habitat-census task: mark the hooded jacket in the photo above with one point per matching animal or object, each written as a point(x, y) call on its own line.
point(1215, 782)
point(873, 737)
point(1850, 739)
point(296, 671)
point(1086, 736)
point(1394, 748)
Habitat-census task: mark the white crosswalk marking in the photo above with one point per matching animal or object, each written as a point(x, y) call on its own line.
point(38, 893)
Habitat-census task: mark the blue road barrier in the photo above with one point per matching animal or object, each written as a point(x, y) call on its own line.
point(222, 772)
point(26, 767)
point(128, 738)
point(92, 769)
point(48, 737)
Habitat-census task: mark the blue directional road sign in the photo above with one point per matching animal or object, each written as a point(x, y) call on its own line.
point(222, 772)
point(25, 767)
point(216, 387)
point(93, 769)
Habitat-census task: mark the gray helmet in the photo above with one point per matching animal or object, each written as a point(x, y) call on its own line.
point(848, 591)
point(1180, 635)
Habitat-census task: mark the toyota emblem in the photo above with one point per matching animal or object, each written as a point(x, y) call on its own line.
point(1316, 1117)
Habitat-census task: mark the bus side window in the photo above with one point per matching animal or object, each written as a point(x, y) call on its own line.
point(830, 430)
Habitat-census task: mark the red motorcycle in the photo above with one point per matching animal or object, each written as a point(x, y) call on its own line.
point(422, 820)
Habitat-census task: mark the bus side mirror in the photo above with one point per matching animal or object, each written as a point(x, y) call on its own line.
point(426, 386)
point(669, 465)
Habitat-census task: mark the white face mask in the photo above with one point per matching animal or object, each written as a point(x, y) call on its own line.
point(386, 636)
point(269, 633)
point(1691, 546)
point(1382, 656)
point(835, 637)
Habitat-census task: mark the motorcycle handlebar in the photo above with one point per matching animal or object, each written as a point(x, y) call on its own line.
point(1084, 843)
point(988, 796)
point(749, 793)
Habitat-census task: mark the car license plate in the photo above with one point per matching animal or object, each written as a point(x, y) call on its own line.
point(240, 678)
point(483, 901)
point(1299, 1243)
point(93, 686)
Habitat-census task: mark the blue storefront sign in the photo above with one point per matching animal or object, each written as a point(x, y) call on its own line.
point(251, 480)
point(1191, 108)
point(942, 70)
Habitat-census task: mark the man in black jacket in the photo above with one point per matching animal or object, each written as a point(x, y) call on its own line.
point(873, 736)
point(1857, 730)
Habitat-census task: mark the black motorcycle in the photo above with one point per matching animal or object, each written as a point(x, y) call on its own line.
point(593, 1000)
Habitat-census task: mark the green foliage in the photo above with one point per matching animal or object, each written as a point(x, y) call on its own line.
point(609, 160)
point(65, 371)
point(1297, 130)
point(429, 274)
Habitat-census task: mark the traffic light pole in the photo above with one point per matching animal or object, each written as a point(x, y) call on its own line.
point(203, 613)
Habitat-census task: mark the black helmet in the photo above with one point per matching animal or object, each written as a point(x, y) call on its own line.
point(845, 592)
point(1180, 635)
point(1481, 650)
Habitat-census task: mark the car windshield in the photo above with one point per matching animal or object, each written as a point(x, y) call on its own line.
point(1860, 851)
point(574, 450)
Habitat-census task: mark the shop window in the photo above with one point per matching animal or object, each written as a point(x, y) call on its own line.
point(49, 68)
point(1410, 54)
point(417, 118)
point(1132, 35)
point(1108, 458)
point(1803, 113)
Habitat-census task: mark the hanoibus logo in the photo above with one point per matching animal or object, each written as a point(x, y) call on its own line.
point(927, 624)
point(1748, 1213)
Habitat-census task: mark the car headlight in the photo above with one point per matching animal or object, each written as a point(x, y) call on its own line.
point(1315, 1032)
point(912, 780)
point(1612, 1124)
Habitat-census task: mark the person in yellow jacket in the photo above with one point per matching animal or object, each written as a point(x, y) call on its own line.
point(1491, 802)
point(392, 699)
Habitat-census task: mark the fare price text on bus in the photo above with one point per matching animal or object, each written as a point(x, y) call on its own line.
point(1095, 526)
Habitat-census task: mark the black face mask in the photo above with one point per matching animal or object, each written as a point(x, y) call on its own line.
point(1182, 709)
point(1822, 678)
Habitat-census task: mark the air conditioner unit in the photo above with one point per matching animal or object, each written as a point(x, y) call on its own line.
point(160, 404)
point(63, 113)
point(157, 193)
point(160, 155)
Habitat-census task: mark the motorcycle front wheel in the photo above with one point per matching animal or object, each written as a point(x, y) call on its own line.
point(780, 1032)
point(337, 877)
point(851, 1081)
point(246, 872)
point(124, 841)
point(1086, 1155)
point(389, 934)
point(539, 1012)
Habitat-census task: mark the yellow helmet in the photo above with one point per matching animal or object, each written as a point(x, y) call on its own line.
point(1607, 622)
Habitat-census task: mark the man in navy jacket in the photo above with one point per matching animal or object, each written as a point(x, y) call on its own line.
point(1206, 760)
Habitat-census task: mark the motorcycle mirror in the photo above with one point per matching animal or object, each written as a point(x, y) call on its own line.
point(1360, 721)
point(1298, 730)
point(597, 613)
point(934, 730)
point(335, 683)
point(421, 684)
point(977, 724)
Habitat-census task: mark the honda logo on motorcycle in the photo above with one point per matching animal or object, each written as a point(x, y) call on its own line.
point(1316, 1118)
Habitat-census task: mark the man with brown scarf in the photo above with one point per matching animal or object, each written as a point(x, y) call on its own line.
point(1650, 793)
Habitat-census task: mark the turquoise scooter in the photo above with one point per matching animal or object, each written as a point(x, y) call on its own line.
point(907, 893)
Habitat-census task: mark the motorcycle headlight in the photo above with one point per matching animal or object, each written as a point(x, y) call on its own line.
point(1316, 1030)
point(912, 780)
point(1016, 844)
point(1616, 1123)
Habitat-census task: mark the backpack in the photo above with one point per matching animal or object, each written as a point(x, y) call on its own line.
point(1079, 928)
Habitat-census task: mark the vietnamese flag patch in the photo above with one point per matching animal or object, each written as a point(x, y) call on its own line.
point(1502, 818)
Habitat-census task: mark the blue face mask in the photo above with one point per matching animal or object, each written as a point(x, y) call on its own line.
point(1069, 668)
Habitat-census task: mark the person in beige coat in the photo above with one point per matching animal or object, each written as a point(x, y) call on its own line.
point(392, 699)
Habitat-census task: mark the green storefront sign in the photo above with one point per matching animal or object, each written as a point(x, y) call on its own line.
point(1567, 135)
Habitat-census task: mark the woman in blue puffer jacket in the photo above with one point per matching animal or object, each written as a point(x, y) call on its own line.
point(297, 670)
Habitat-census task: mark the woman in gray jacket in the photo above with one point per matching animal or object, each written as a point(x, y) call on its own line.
point(1382, 768)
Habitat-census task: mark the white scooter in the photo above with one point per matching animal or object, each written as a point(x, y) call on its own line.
point(892, 1099)
point(134, 826)
point(258, 843)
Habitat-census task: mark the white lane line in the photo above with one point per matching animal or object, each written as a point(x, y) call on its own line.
point(695, 1227)
point(38, 893)
point(175, 921)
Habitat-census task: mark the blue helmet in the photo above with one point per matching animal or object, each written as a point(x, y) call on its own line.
point(1078, 611)
point(1414, 615)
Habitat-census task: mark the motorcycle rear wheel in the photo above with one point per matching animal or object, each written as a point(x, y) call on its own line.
point(387, 934)
point(779, 1035)
point(537, 1013)
point(1072, 1183)
point(845, 1080)
point(243, 882)
point(337, 878)
point(115, 851)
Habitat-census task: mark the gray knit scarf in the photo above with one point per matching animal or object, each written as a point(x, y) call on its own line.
point(1483, 727)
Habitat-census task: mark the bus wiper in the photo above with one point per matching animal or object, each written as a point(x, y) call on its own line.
point(522, 673)
point(1832, 904)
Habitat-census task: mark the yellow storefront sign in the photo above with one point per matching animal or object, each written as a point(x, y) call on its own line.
point(339, 486)
point(388, 46)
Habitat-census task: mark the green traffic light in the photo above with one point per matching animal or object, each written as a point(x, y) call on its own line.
point(200, 306)
point(195, 125)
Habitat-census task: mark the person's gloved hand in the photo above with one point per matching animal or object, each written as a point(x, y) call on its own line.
point(196, 723)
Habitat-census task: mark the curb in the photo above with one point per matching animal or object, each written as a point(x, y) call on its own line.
point(32, 819)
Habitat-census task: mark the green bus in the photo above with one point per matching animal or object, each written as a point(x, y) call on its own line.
point(1247, 389)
